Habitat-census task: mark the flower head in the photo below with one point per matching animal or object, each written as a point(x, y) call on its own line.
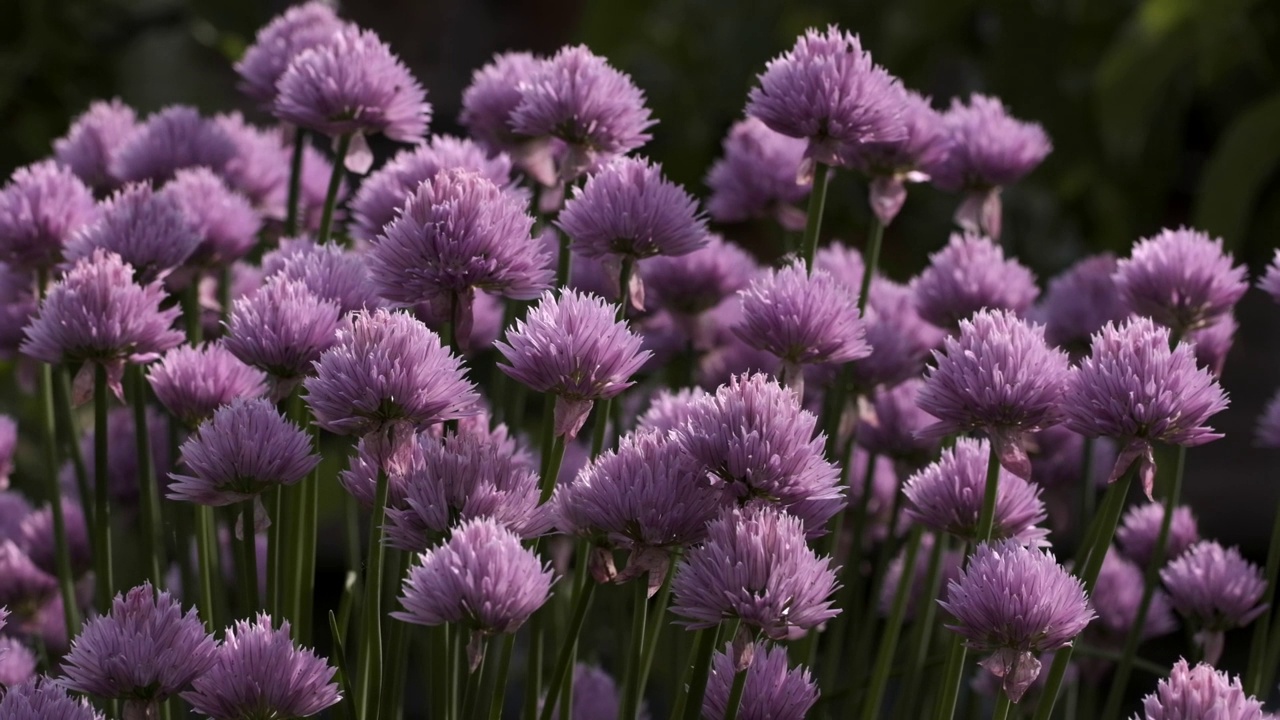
point(177, 137)
point(193, 382)
point(1080, 302)
point(1213, 342)
point(1116, 598)
point(17, 663)
point(1270, 281)
point(90, 145)
point(258, 672)
point(1181, 279)
point(772, 691)
point(147, 229)
point(693, 284)
point(986, 147)
point(756, 176)
point(900, 339)
point(595, 694)
point(1267, 433)
point(893, 427)
point(493, 95)
point(43, 699)
point(1216, 590)
point(24, 587)
point(259, 169)
point(37, 539)
point(17, 305)
point(145, 648)
point(226, 225)
point(1016, 602)
point(1197, 693)
point(1140, 529)
point(41, 208)
point(968, 275)
point(922, 145)
point(330, 271)
point(280, 41)
point(802, 317)
point(283, 329)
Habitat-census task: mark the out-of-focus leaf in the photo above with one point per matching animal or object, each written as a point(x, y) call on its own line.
point(1246, 156)
point(1133, 78)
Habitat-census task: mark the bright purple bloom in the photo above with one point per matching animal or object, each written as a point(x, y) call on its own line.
point(892, 164)
point(43, 699)
point(277, 43)
point(351, 83)
point(571, 346)
point(595, 694)
point(1140, 528)
point(14, 508)
point(246, 448)
point(193, 382)
point(755, 566)
point(168, 141)
point(8, 445)
point(330, 271)
point(893, 427)
point(968, 275)
point(1080, 302)
point(690, 285)
point(37, 540)
point(283, 329)
point(844, 263)
point(225, 223)
point(144, 649)
point(577, 97)
point(772, 691)
point(1181, 279)
point(827, 90)
point(1134, 389)
point(91, 143)
point(900, 339)
point(669, 409)
point(23, 586)
point(1213, 342)
point(17, 663)
point(756, 177)
point(1115, 600)
point(947, 496)
point(1016, 602)
point(481, 578)
point(1270, 281)
point(41, 208)
point(1199, 693)
point(998, 376)
point(260, 673)
point(492, 96)
point(17, 305)
point(1216, 590)
point(1267, 433)
point(147, 229)
point(259, 170)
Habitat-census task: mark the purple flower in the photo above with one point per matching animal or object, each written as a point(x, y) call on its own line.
point(827, 90)
point(387, 373)
point(225, 224)
point(1140, 528)
point(1198, 693)
point(14, 508)
point(246, 448)
point(668, 409)
point(1213, 342)
point(1115, 600)
point(144, 649)
point(893, 426)
point(1080, 302)
point(968, 275)
point(756, 567)
point(481, 578)
point(23, 586)
point(17, 664)
point(17, 305)
point(900, 339)
point(351, 83)
point(147, 229)
point(8, 446)
point(572, 347)
point(37, 540)
point(690, 285)
point(803, 318)
point(947, 496)
point(193, 382)
point(330, 271)
point(1181, 279)
point(277, 43)
point(1216, 590)
point(772, 691)
point(41, 208)
point(595, 694)
point(997, 376)
point(1267, 433)
point(259, 673)
point(43, 699)
point(753, 438)
point(382, 195)
point(986, 147)
point(756, 177)
point(577, 97)
point(283, 329)
point(259, 169)
point(91, 143)
point(1134, 389)
point(177, 137)
point(1270, 281)
point(893, 163)
point(1016, 602)
point(493, 95)
point(844, 263)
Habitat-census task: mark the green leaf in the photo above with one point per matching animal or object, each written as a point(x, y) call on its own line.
point(1246, 156)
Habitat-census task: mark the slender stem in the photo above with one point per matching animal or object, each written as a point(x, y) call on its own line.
point(206, 548)
point(295, 182)
point(249, 555)
point(874, 241)
point(1261, 630)
point(472, 693)
point(275, 504)
point(66, 582)
point(453, 633)
point(398, 651)
point(853, 597)
point(922, 629)
point(152, 519)
point(950, 693)
point(304, 579)
point(69, 437)
point(1088, 493)
point(339, 657)
point(564, 661)
point(335, 183)
point(601, 426)
point(500, 683)
point(191, 311)
point(370, 682)
point(1140, 663)
point(102, 507)
point(655, 627)
point(635, 657)
point(563, 266)
point(533, 669)
point(1001, 711)
point(813, 221)
point(735, 695)
point(986, 521)
point(893, 626)
point(551, 460)
point(699, 669)
point(1150, 579)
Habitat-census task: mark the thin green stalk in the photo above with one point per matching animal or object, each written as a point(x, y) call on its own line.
point(986, 521)
point(1088, 493)
point(68, 431)
point(874, 242)
point(105, 582)
point(274, 509)
point(601, 426)
point(500, 682)
point(922, 630)
point(66, 582)
point(295, 182)
point(893, 626)
point(191, 311)
point(635, 657)
point(700, 670)
point(370, 679)
point(152, 518)
point(249, 555)
point(852, 595)
point(207, 548)
point(654, 630)
point(735, 695)
point(304, 579)
point(335, 183)
point(339, 657)
point(1001, 711)
point(1150, 579)
point(950, 692)
point(624, 287)
point(813, 221)
point(471, 694)
point(533, 668)
point(453, 635)
point(1253, 684)
point(398, 651)
point(551, 460)
point(1139, 662)
point(564, 661)
point(562, 261)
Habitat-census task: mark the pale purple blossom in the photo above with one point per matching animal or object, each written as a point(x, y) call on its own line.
point(41, 208)
point(193, 382)
point(1199, 693)
point(772, 691)
point(146, 228)
point(91, 143)
point(756, 176)
point(968, 275)
point(177, 137)
point(1182, 279)
point(1216, 590)
point(280, 41)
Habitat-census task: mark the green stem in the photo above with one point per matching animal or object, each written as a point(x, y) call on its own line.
point(874, 242)
point(624, 288)
point(600, 427)
point(398, 651)
point(699, 669)
point(339, 657)
point(206, 548)
point(69, 432)
point(105, 582)
point(654, 630)
point(563, 261)
point(275, 505)
point(1001, 711)
point(370, 681)
point(66, 582)
point(986, 521)
point(331, 195)
point(950, 693)
point(893, 627)
point(1253, 684)
point(564, 661)
point(1140, 663)
point(735, 695)
point(922, 629)
point(551, 460)
point(472, 693)
point(295, 182)
point(152, 519)
point(533, 668)
point(191, 311)
point(249, 555)
point(304, 579)
point(852, 595)
point(635, 657)
point(813, 221)
point(1088, 493)
point(454, 634)
point(500, 683)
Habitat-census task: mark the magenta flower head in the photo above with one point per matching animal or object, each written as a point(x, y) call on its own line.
point(147, 229)
point(756, 176)
point(43, 699)
point(947, 496)
point(24, 587)
point(892, 164)
point(277, 43)
point(1213, 342)
point(226, 224)
point(1198, 693)
point(41, 208)
point(36, 538)
point(143, 651)
point(755, 566)
point(595, 694)
point(283, 329)
point(494, 93)
point(1080, 302)
point(1181, 279)
point(691, 285)
point(481, 578)
point(893, 426)
point(177, 137)
point(352, 84)
point(900, 339)
point(669, 409)
point(578, 98)
point(969, 274)
point(17, 663)
point(1270, 281)
point(1116, 597)
point(384, 193)
point(571, 346)
point(803, 318)
point(258, 672)
point(387, 373)
point(1216, 590)
point(1134, 389)
point(753, 438)
point(330, 271)
point(1267, 433)
point(772, 691)
point(246, 448)
point(997, 376)
point(844, 263)
point(89, 147)
point(1140, 528)
point(97, 314)
point(827, 90)
point(1016, 602)
point(193, 382)
point(259, 170)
